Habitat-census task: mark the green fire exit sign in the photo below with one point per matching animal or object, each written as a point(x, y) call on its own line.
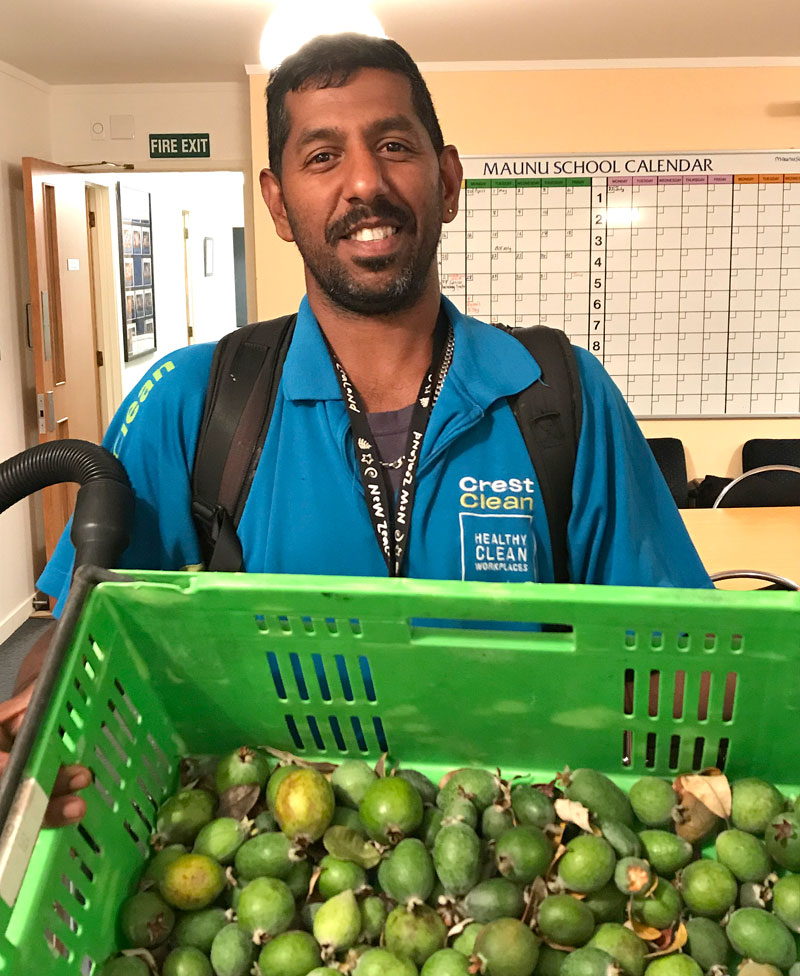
point(179, 145)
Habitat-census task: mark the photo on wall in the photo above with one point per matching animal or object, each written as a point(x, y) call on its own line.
point(134, 219)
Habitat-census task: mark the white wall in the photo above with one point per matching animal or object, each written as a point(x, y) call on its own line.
point(221, 109)
point(24, 131)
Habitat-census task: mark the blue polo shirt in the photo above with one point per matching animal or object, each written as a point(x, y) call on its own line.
point(478, 512)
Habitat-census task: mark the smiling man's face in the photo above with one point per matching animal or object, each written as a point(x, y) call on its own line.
point(363, 194)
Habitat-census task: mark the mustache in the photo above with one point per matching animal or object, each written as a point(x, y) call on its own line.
point(381, 209)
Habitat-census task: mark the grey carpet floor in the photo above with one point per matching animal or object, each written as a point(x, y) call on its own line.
point(13, 650)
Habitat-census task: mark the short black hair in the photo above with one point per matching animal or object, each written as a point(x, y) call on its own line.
point(329, 61)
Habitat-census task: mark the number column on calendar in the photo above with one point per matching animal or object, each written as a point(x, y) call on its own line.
point(578, 279)
point(597, 263)
point(478, 216)
point(552, 236)
point(618, 284)
point(691, 297)
point(644, 223)
point(668, 267)
point(503, 280)
point(453, 257)
point(767, 294)
point(787, 399)
point(528, 229)
point(719, 201)
point(741, 321)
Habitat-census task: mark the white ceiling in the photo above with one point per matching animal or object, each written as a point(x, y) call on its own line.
point(119, 41)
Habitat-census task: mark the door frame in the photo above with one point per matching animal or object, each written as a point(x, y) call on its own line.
point(104, 276)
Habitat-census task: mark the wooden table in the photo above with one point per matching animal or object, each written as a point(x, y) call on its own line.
point(747, 538)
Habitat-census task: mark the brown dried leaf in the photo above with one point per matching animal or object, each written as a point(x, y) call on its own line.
point(535, 894)
point(145, 955)
point(670, 941)
point(188, 770)
point(557, 945)
point(312, 881)
point(710, 787)
point(646, 932)
point(570, 811)
point(553, 869)
point(238, 801)
point(380, 766)
point(289, 759)
point(693, 819)
point(197, 771)
point(459, 927)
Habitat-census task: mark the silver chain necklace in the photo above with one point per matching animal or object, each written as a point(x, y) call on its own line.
point(446, 360)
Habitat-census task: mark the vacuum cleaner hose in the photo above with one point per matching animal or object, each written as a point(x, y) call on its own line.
point(104, 506)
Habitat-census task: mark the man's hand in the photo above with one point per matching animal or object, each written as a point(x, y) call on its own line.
point(64, 807)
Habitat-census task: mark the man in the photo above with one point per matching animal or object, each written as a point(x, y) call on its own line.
point(386, 385)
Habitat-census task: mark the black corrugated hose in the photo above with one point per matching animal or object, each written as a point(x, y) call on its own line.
point(104, 506)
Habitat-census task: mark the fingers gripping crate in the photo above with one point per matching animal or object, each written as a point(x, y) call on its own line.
point(644, 681)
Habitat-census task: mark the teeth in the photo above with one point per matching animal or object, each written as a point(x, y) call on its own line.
point(373, 233)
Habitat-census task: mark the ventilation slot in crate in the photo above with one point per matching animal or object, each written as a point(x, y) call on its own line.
point(138, 838)
point(704, 709)
point(147, 791)
point(74, 890)
point(353, 735)
point(142, 816)
point(91, 842)
point(128, 703)
point(120, 721)
point(55, 945)
point(317, 680)
point(85, 869)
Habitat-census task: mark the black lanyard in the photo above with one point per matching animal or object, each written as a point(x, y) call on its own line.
point(392, 528)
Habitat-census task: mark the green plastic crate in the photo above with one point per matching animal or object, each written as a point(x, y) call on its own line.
point(182, 663)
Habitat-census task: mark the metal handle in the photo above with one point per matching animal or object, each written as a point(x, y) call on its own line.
point(748, 474)
point(782, 581)
point(28, 333)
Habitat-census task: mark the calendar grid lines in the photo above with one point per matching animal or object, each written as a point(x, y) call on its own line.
point(683, 277)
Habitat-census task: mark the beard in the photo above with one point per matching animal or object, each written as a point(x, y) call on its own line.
point(402, 290)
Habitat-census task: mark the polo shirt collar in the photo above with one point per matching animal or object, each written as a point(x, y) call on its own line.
point(486, 363)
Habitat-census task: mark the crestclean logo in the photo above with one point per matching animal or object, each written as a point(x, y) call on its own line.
point(496, 523)
point(497, 494)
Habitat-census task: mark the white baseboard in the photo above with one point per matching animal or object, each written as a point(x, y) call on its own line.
point(16, 618)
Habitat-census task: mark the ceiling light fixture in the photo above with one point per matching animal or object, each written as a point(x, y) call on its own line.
point(293, 22)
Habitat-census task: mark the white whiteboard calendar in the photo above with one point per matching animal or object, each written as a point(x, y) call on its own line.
point(680, 272)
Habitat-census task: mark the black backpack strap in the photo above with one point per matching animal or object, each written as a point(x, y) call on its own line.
point(549, 414)
point(242, 386)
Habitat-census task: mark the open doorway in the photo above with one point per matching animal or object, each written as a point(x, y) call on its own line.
point(79, 290)
point(189, 277)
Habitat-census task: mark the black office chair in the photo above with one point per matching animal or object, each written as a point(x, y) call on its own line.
point(761, 451)
point(671, 458)
point(769, 485)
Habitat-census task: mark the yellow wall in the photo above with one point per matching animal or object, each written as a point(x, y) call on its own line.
point(615, 110)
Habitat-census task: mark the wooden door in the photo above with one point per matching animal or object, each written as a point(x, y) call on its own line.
point(67, 389)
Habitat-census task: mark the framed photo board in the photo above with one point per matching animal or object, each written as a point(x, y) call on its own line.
point(136, 271)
